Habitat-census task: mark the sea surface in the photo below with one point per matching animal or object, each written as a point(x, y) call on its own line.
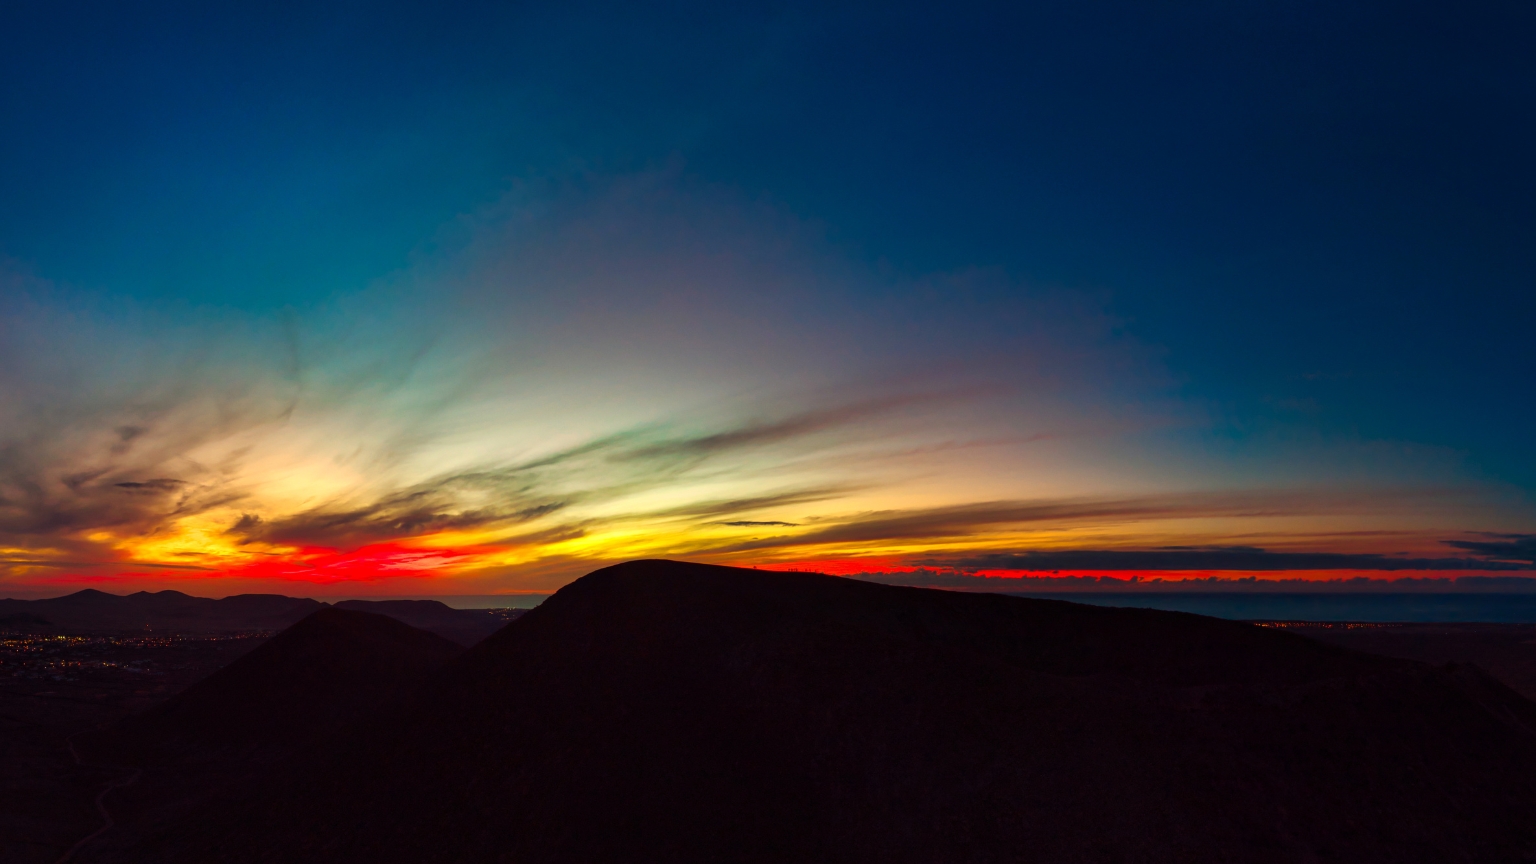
point(1291, 606)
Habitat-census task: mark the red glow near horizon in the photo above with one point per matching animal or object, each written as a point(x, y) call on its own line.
point(381, 562)
point(365, 564)
point(845, 566)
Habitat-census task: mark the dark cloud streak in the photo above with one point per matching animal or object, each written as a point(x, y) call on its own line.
point(750, 524)
point(1507, 547)
point(1046, 584)
point(1241, 558)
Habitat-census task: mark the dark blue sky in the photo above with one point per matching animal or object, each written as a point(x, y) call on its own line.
point(1321, 213)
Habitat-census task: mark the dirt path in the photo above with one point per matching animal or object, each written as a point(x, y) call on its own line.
point(101, 799)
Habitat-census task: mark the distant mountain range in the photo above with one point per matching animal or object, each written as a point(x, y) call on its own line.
point(659, 711)
point(92, 611)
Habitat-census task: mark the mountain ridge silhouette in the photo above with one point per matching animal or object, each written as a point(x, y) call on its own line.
point(90, 611)
point(669, 711)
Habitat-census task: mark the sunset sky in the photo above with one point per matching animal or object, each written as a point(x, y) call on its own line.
point(435, 299)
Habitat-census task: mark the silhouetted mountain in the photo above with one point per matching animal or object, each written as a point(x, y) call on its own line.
point(308, 680)
point(1505, 651)
point(323, 673)
point(658, 711)
point(464, 626)
point(92, 611)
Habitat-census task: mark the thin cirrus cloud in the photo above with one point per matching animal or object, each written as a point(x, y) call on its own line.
point(545, 487)
point(962, 520)
point(601, 368)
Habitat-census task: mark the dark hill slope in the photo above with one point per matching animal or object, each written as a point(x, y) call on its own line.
point(1506, 651)
point(317, 675)
point(658, 711)
point(464, 626)
point(212, 740)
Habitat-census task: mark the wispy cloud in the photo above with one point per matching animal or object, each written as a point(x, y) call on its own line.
point(959, 522)
point(590, 474)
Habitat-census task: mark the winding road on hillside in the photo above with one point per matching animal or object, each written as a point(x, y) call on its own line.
point(101, 798)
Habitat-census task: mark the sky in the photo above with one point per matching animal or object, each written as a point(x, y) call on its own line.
point(423, 299)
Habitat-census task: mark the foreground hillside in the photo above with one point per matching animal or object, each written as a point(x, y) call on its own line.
point(678, 712)
point(464, 626)
point(211, 741)
point(315, 677)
